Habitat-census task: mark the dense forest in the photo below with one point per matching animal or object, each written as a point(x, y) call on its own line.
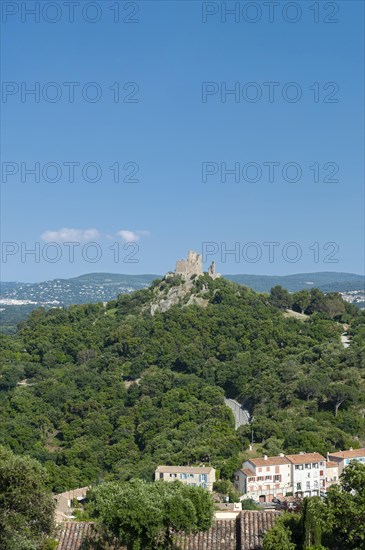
point(107, 392)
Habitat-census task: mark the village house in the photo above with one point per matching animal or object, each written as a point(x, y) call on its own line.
point(270, 477)
point(331, 474)
point(343, 458)
point(263, 479)
point(308, 474)
point(198, 476)
point(64, 503)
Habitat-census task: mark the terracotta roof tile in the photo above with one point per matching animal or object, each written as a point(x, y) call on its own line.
point(253, 526)
point(248, 472)
point(305, 458)
point(73, 534)
point(244, 533)
point(355, 453)
point(331, 464)
point(269, 461)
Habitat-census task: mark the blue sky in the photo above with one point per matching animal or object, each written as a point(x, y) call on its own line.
point(163, 60)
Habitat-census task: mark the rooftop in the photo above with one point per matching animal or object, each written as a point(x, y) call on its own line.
point(331, 464)
point(352, 453)
point(247, 472)
point(305, 458)
point(269, 461)
point(252, 525)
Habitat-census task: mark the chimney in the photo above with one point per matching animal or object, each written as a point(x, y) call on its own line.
point(351, 449)
point(302, 453)
point(265, 457)
point(281, 455)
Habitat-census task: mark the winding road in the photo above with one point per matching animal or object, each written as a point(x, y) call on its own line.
point(241, 416)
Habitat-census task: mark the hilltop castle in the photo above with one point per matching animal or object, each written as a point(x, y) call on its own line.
point(193, 265)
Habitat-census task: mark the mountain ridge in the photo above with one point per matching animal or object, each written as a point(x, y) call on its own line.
point(18, 299)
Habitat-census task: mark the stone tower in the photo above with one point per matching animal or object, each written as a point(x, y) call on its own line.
point(193, 265)
point(211, 271)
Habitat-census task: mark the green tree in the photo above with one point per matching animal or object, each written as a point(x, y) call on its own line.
point(280, 297)
point(26, 506)
point(339, 393)
point(345, 507)
point(312, 522)
point(278, 538)
point(301, 300)
point(145, 516)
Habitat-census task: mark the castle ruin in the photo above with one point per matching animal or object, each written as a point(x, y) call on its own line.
point(193, 265)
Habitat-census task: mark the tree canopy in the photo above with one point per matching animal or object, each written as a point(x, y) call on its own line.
point(26, 506)
point(147, 516)
point(335, 523)
point(109, 391)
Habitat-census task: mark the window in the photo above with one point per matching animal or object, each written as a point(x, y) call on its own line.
point(277, 478)
point(308, 474)
point(251, 489)
point(268, 477)
point(203, 478)
point(260, 478)
point(183, 476)
point(161, 476)
point(268, 468)
point(173, 475)
point(204, 485)
point(260, 469)
point(251, 479)
point(307, 466)
point(308, 485)
point(236, 478)
point(277, 469)
point(315, 484)
point(299, 486)
point(321, 472)
point(315, 465)
point(191, 475)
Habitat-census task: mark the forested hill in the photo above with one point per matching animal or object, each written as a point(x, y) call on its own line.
point(109, 391)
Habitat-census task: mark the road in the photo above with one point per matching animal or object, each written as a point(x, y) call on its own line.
point(345, 340)
point(241, 416)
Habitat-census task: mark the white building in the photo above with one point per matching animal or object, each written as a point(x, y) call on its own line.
point(343, 458)
point(198, 476)
point(263, 479)
point(308, 474)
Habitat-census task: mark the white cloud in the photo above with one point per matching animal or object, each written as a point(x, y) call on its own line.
point(131, 236)
point(67, 234)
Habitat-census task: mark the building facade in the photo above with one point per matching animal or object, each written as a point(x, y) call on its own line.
point(331, 474)
point(263, 479)
point(198, 476)
point(308, 474)
point(343, 458)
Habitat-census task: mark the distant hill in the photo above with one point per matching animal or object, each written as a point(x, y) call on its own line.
point(327, 281)
point(19, 299)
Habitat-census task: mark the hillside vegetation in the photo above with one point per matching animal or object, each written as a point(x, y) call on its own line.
point(108, 392)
